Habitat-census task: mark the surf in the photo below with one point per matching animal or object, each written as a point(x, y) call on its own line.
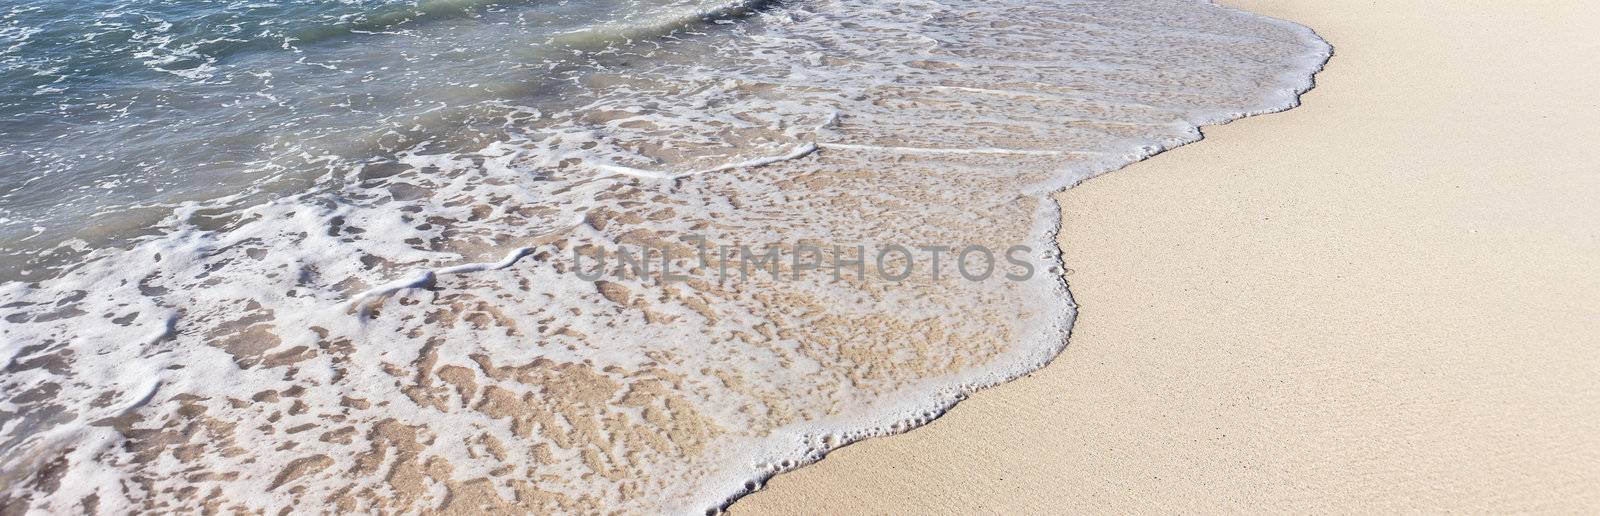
point(410, 334)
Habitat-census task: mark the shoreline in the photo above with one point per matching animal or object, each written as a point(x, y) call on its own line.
point(1378, 300)
point(423, 325)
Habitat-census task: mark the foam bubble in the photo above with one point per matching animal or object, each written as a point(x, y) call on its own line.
point(415, 337)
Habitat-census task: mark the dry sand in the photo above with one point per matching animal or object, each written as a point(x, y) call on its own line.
point(1387, 299)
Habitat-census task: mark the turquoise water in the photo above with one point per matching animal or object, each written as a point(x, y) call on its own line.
point(114, 112)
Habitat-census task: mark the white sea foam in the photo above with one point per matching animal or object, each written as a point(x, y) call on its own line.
point(799, 151)
point(415, 337)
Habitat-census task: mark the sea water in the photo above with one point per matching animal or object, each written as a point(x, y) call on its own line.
point(321, 254)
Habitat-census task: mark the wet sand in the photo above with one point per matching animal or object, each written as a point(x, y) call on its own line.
point(1387, 299)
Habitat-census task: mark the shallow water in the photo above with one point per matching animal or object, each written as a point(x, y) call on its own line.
point(297, 327)
point(116, 111)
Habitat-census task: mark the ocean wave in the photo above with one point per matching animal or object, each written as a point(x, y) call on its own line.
point(412, 336)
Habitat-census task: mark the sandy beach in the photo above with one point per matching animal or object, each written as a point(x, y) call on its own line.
point(1384, 300)
point(270, 257)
